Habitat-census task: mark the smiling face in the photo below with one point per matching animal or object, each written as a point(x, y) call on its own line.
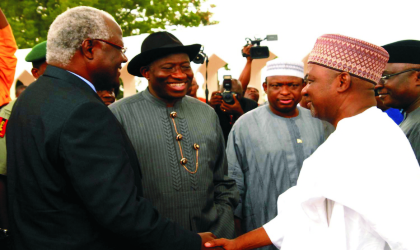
point(283, 94)
point(169, 77)
point(106, 69)
point(399, 91)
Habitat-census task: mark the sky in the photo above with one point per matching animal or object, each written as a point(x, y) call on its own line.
point(297, 23)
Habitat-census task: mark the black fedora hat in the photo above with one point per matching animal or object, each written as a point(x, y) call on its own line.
point(157, 45)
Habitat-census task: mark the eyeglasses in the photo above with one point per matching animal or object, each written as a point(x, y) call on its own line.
point(123, 49)
point(386, 77)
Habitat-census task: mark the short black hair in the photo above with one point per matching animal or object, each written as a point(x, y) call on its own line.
point(19, 83)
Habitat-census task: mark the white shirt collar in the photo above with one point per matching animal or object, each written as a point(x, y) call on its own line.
point(86, 81)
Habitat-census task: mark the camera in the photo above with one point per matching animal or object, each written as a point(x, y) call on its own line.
point(259, 52)
point(227, 94)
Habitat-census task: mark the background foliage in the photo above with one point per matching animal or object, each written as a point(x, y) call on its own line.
point(30, 19)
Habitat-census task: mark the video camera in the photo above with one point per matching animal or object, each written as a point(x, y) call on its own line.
point(227, 94)
point(259, 52)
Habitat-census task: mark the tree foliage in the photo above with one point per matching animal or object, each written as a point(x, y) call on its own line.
point(31, 19)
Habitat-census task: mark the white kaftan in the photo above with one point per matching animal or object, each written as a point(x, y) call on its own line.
point(368, 173)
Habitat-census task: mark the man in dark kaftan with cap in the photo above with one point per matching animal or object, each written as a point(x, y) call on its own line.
point(178, 140)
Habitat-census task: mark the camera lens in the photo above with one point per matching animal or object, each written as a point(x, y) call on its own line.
point(228, 98)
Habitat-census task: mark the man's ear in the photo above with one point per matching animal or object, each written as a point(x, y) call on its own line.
point(145, 72)
point(417, 78)
point(343, 82)
point(265, 87)
point(87, 49)
point(34, 72)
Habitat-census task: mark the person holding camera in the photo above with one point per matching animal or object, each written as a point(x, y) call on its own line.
point(230, 104)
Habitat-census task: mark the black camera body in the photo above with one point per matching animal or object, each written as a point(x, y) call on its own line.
point(259, 52)
point(227, 94)
point(200, 57)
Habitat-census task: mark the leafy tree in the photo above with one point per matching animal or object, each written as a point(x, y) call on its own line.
point(31, 19)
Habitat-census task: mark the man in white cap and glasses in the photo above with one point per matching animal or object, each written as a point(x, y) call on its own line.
point(351, 194)
point(267, 146)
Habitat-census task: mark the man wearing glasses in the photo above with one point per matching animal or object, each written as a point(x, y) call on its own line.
point(74, 181)
point(351, 194)
point(400, 87)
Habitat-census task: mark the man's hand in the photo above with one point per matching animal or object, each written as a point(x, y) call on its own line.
point(254, 239)
point(247, 50)
point(222, 243)
point(205, 237)
point(215, 99)
point(3, 20)
point(232, 109)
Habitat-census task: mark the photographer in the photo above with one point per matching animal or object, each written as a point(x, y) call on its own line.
point(229, 113)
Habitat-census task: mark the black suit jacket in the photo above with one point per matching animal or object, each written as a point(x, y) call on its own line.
point(73, 176)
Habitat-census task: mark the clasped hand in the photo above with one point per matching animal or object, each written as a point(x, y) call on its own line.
point(209, 242)
point(221, 244)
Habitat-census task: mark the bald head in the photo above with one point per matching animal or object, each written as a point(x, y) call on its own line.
point(237, 88)
point(334, 95)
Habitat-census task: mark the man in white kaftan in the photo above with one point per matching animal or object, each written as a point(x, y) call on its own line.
point(360, 189)
point(363, 186)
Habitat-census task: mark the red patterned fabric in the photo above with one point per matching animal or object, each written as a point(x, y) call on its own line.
point(350, 55)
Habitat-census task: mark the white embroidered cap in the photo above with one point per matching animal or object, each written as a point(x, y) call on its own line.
point(278, 67)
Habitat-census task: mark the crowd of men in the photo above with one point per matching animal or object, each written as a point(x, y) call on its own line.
point(163, 169)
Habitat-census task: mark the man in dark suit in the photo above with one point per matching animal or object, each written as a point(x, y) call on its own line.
point(74, 178)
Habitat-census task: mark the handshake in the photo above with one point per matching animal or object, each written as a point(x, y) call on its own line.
point(209, 241)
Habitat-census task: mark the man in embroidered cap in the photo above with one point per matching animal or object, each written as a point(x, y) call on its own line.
point(178, 140)
point(400, 87)
point(351, 194)
point(267, 146)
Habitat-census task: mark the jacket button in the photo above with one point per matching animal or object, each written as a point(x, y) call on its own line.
point(184, 161)
point(178, 137)
point(196, 146)
point(173, 114)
